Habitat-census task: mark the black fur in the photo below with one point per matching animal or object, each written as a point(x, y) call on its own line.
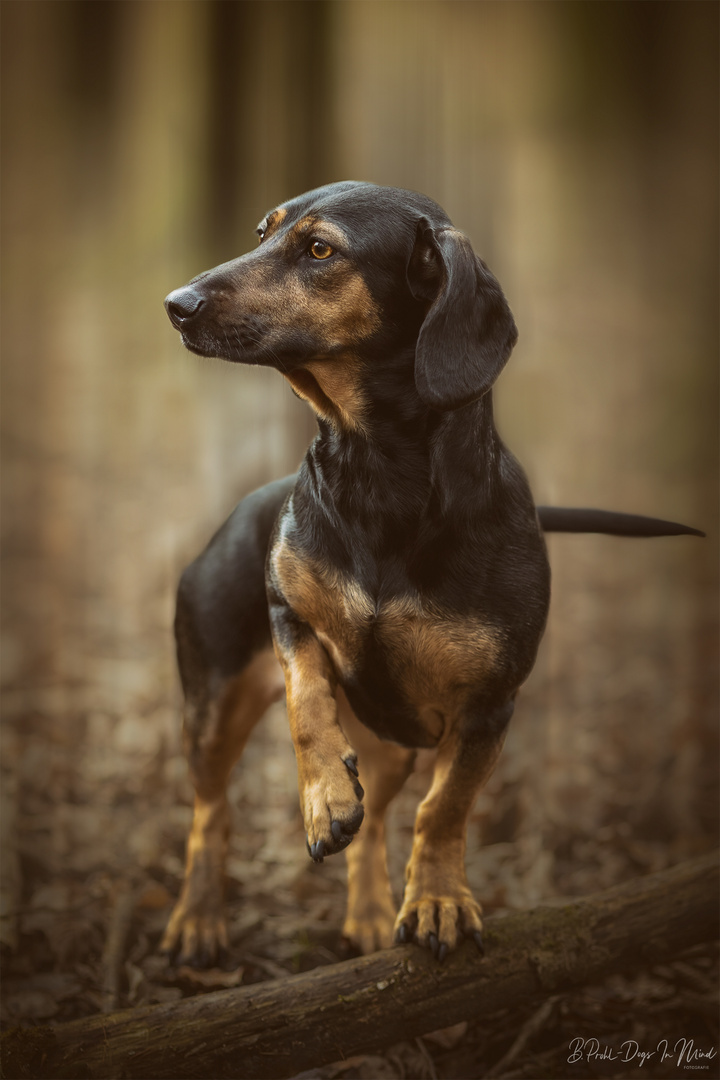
point(424, 500)
point(407, 512)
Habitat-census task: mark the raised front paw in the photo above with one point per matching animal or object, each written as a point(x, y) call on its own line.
point(438, 918)
point(331, 801)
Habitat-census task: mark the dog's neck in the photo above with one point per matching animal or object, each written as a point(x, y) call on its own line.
point(410, 467)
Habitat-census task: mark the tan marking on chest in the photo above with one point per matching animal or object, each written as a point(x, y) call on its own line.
point(435, 657)
point(340, 617)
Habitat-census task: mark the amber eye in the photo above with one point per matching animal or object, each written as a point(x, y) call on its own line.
point(320, 250)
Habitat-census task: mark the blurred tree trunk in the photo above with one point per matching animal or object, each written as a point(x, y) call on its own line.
point(577, 146)
point(130, 136)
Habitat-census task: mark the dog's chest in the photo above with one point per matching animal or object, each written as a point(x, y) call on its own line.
point(399, 648)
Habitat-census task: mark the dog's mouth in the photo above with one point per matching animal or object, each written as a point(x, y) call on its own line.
point(199, 348)
point(238, 343)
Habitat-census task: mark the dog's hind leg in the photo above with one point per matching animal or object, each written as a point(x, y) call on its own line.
point(215, 730)
point(229, 676)
point(384, 768)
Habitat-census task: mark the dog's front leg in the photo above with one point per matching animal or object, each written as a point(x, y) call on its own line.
point(330, 792)
point(438, 907)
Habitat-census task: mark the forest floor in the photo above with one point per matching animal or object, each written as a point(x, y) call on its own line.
point(101, 811)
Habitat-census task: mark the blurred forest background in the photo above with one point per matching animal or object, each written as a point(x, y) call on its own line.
point(577, 145)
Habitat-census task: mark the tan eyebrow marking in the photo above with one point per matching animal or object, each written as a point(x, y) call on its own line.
point(326, 229)
point(272, 221)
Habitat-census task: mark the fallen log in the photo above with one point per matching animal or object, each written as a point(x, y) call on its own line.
point(280, 1027)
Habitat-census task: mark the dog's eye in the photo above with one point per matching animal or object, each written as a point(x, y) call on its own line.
point(320, 250)
point(261, 235)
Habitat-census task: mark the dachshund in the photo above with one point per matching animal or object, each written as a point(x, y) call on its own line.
point(400, 577)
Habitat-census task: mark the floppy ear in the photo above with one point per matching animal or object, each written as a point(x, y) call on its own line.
point(468, 332)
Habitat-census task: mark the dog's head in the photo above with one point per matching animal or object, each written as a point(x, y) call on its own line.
point(345, 276)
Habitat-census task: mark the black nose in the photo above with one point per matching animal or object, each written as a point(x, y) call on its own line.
point(182, 305)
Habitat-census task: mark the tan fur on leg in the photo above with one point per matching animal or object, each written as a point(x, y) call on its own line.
point(384, 768)
point(438, 906)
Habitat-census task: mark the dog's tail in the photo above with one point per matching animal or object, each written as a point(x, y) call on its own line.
point(566, 519)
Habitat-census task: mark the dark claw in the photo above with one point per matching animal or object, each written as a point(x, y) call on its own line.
point(317, 851)
point(478, 939)
point(433, 943)
point(442, 952)
point(403, 934)
point(351, 766)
